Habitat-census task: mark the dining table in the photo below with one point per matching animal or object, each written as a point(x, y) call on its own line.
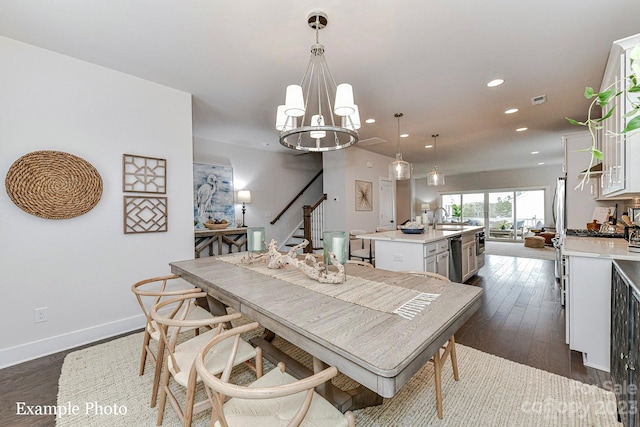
point(378, 327)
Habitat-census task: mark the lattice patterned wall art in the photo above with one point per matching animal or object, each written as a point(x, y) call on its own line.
point(143, 174)
point(145, 214)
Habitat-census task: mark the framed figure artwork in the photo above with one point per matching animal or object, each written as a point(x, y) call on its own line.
point(212, 194)
point(364, 196)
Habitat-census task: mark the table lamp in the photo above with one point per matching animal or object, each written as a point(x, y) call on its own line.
point(244, 197)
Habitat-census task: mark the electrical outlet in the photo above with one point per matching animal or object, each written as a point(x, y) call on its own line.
point(40, 315)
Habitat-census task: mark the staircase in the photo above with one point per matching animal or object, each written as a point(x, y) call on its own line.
point(310, 228)
point(312, 224)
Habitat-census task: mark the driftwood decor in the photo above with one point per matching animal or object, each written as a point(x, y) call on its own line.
point(309, 265)
point(53, 184)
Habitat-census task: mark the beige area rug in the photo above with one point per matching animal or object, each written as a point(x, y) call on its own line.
point(103, 383)
point(517, 249)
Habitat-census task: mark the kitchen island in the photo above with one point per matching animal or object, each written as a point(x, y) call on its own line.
point(430, 251)
point(588, 266)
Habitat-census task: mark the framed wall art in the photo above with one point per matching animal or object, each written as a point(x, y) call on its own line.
point(364, 195)
point(145, 214)
point(213, 194)
point(142, 174)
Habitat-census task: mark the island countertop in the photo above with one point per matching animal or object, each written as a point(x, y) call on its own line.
point(429, 235)
point(599, 247)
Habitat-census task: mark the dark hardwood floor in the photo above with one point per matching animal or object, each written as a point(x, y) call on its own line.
point(521, 319)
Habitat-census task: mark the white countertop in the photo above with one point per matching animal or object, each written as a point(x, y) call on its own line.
point(429, 235)
point(599, 247)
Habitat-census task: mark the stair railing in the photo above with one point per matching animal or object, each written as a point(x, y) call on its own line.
point(295, 198)
point(313, 224)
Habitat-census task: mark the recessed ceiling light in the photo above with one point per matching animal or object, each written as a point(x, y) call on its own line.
point(370, 121)
point(521, 129)
point(428, 146)
point(496, 82)
point(511, 111)
point(404, 135)
point(535, 152)
point(541, 163)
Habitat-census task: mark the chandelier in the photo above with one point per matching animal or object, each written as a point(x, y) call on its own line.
point(435, 177)
point(310, 120)
point(399, 169)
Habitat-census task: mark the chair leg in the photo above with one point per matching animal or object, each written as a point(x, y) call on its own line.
point(145, 344)
point(259, 365)
point(163, 392)
point(191, 397)
point(454, 358)
point(437, 364)
point(157, 372)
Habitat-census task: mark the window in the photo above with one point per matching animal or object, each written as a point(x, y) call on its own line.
point(467, 208)
point(506, 214)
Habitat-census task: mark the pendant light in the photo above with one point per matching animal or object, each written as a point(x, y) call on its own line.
point(399, 169)
point(435, 177)
point(310, 120)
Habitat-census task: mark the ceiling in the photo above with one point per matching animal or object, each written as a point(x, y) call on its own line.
point(430, 60)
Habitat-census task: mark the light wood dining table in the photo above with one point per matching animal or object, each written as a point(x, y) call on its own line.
point(379, 350)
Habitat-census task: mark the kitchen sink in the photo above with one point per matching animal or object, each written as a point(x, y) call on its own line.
point(450, 227)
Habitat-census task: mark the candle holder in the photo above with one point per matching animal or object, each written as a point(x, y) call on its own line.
point(255, 239)
point(335, 242)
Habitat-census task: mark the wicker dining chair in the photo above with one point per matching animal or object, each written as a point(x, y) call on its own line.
point(273, 400)
point(179, 357)
point(449, 349)
point(150, 292)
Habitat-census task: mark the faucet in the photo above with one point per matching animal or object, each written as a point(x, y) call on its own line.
point(446, 214)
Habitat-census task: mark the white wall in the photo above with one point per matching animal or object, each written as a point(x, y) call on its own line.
point(82, 268)
point(273, 179)
point(342, 168)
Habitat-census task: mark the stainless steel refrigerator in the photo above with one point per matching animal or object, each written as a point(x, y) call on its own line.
point(560, 206)
point(560, 217)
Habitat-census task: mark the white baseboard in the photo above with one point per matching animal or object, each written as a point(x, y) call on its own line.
point(35, 349)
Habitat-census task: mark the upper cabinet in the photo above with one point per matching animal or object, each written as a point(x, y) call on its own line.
point(621, 152)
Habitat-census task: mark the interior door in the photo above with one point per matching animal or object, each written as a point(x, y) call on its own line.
point(387, 203)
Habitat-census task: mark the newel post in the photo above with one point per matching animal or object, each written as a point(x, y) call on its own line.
point(306, 223)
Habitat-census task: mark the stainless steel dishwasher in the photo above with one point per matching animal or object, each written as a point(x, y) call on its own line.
point(455, 259)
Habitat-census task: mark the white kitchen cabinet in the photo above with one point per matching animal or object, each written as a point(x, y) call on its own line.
point(442, 263)
point(620, 152)
point(588, 308)
point(579, 203)
point(431, 264)
point(469, 266)
point(430, 257)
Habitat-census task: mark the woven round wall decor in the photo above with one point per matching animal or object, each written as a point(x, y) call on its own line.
point(53, 184)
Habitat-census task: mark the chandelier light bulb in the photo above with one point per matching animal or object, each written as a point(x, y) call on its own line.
point(317, 120)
